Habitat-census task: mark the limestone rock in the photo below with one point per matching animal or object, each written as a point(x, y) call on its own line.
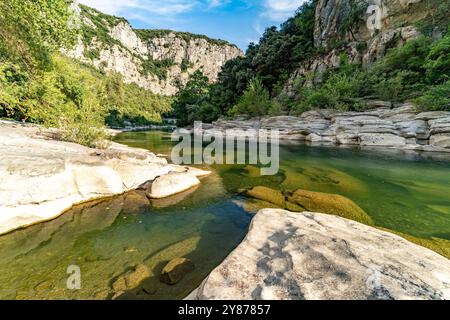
point(400, 127)
point(440, 140)
point(171, 184)
point(175, 270)
point(130, 50)
point(303, 200)
point(292, 256)
point(331, 204)
point(41, 178)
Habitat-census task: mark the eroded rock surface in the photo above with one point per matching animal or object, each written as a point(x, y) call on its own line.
point(127, 51)
point(315, 256)
point(41, 178)
point(401, 127)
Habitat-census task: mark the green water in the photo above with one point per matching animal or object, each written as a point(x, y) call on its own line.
point(405, 192)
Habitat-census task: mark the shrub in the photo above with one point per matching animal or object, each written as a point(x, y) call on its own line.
point(437, 63)
point(254, 102)
point(436, 99)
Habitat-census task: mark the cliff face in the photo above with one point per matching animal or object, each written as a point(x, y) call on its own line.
point(158, 60)
point(366, 29)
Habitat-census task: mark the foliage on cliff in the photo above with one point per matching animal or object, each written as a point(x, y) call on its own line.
point(38, 85)
point(419, 71)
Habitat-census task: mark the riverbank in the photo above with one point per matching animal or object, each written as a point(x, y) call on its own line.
point(42, 177)
point(399, 127)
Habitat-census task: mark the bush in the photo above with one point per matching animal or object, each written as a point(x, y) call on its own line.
point(254, 102)
point(341, 90)
point(437, 62)
point(436, 99)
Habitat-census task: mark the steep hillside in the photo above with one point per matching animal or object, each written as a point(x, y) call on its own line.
point(158, 60)
point(366, 29)
point(337, 54)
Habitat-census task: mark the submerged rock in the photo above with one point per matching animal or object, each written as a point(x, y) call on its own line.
point(175, 270)
point(130, 279)
point(313, 256)
point(331, 204)
point(303, 200)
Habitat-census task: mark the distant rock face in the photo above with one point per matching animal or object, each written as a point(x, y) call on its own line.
point(310, 256)
point(402, 127)
point(126, 52)
point(362, 29)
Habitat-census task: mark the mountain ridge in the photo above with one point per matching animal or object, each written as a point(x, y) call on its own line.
point(158, 60)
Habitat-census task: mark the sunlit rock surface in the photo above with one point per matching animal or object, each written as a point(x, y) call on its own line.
point(315, 256)
point(41, 178)
point(401, 127)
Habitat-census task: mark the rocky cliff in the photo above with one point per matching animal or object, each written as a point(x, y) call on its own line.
point(366, 29)
point(157, 60)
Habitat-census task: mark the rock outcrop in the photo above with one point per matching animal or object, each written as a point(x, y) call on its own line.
point(364, 30)
point(41, 177)
point(401, 127)
point(293, 256)
point(157, 60)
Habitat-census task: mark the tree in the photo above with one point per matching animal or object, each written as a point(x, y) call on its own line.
point(255, 101)
point(192, 103)
point(32, 29)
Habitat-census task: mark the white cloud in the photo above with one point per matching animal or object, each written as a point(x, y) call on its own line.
point(280, 10)
point(157, 7)
point(216, 3)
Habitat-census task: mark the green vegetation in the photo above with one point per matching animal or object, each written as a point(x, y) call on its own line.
point(100, 28)
point(39, 85)
point(193, 102)
point(158, 68)
point(253, 85)
point(254, 102)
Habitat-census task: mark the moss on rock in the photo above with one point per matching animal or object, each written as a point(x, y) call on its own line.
point(331, 204)
point(303, 200)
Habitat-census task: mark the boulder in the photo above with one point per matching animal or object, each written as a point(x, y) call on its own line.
point(175, 270)
point(171, 184)
point(268, 195)
point(330, 204)
point(440, 140)
point(312, 256)
point(130, 279)
point(303, 200)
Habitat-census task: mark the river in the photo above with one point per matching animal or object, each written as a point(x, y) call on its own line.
point(402, 191)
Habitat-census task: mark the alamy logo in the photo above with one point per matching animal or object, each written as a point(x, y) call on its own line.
point(74, 279)
point(228, 147)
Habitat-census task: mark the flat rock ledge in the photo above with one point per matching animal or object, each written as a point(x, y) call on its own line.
point(41, 178)
point(399, 127)
point(315, 256)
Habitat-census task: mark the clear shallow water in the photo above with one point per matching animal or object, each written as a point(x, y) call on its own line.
point(404, 192)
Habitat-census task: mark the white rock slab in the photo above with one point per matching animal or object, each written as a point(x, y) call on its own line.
point(316, 256)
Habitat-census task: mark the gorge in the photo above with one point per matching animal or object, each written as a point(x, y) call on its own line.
point(359, 208)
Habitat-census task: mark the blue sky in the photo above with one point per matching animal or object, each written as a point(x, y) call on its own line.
point(237, 21)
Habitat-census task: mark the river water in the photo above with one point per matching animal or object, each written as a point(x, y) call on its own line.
point(402, 191)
